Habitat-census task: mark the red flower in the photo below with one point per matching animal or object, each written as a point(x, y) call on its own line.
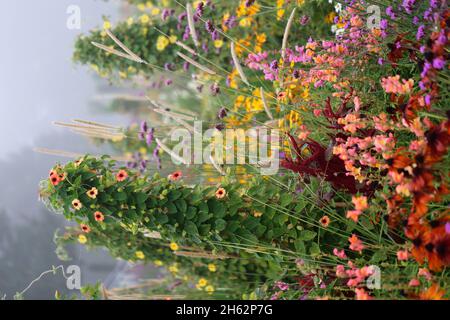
point(175, 176)
point(99, 216)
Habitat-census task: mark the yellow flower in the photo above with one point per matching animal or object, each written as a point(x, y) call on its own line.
point(209, 289)
point(173, 268)
point(140, 255)
point(280, 14)
point(212, 267)
point(257, 214)
point(202, 282)
point(149, 4)
point(162, 43)
point(261, 38)
point(82, 239)
point(158, 263)
point(76, 204)
point(245, 22)
point(106, 25)
point(130, 21)
point(218, 43)
point(173, 39)
point(173, 246)
point(144, 19)
point(155, 11)
point(141, 7)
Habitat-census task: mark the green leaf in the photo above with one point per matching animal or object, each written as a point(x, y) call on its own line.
point(300, 246)
point(191, 228)
point(181, 205)
point(314, 250)
point(141, 197)
point(307, 235)
point(220, 224)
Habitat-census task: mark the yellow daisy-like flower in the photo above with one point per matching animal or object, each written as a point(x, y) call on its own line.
point(155, 11)
point(106, 25)
point(82, 239)
point(245, 22)
point(144, 19)
point(149, 4)
point(202, 282)
point(209, 289)
point(212, 267)
point(173, 246)
point(218, 43)
point(130, 21)
point(158, 263)
point(162, 43)
point(140, 255)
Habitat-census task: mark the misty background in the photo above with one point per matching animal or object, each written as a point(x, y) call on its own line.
point(40, 84)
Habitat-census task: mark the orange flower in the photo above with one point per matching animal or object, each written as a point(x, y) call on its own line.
point(121, 175)
point(361, 294)
point(355, 243)
point(99, 216)
point(221, 193)
point(77, 204)
point(353, 214)
point(175, 176)
point(85, 228)
point(92, 193)
point(360, 203)
point(433, 293)
point(324, 221)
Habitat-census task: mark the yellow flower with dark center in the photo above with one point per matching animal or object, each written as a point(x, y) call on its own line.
point(92, 193)
point(209, 289)
point(174, 246)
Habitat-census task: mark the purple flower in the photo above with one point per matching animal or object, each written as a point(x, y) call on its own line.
point(390, 12)
point(274, 65)
point(304, 20)
point(209, 26)
point(428, 100)
point(447, 228)
point(383, 24)
point(438, 63)
point(282, 285)
point(380, 61)
point(222, 113)
point(420, 32)
point(144, 126)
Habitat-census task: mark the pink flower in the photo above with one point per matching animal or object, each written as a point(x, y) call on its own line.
point(340, 254)
point(355, 244)
point(414, 283)
point(340, 271)
point(402, 255)
point(423, 272)
point(353, 214)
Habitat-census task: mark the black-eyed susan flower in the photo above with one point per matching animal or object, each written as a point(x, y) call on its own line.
point(324, 221)
point(221, 193)
point(209, 289)
point(175, 176)
point(76, 204)
point(121, 175)
point(202, 282)
point(85, 228)
point(99, 217)
point(92, 193)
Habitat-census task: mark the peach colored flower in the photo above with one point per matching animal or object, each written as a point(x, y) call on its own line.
point(121, 175)
point(85, 228)
point(324, 221)
point(353, 214)
point(360, 203)
point(92, 193)
point(402, 255)
point(76, 204)
point(221, 193)
point(361, 294)
point(99, 216)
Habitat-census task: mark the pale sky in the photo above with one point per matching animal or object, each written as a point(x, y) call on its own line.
point(38, 81)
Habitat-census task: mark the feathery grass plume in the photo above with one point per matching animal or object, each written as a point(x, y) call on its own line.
point(216, 166)
point(237, 65)
point(87, 128)
point(286, 34)
point(173, 114)
point(170, 152)
point(185, 47)
point(191, 24)
point(97, 124)
point(125, 48)
point(175, 117)
point(264, 101)
point(117, 53)
point(196, 64)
